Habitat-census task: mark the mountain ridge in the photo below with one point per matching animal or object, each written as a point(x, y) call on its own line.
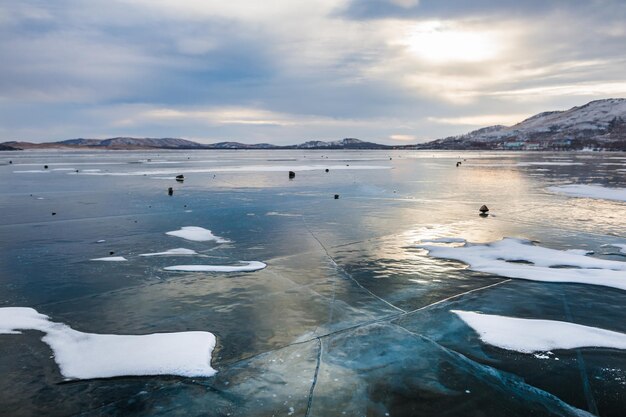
point(599, 124)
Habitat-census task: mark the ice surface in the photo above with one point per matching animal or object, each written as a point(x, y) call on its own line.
point(528, 336)
point(172, 252)
point(444, 240)
point(88, 355)
point(246, 266)
point(196, 234)
point(591, 191)
point(503, 258)
point(383, 369)
point(111, 259)
point(248, 168)
point(554, 163)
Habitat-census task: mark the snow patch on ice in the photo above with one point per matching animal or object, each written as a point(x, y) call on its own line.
point(88, 355)
point(246, 266)
point(529, 335)
point(111, 259)
point(590, 191)
point(621, 246)
point(172, 252)
point(196, 234)
point(275, 213)
point(503, 258)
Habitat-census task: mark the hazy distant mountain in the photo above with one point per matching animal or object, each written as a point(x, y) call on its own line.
point(347, 143)
point(600, 123)
point(172, 143)
point(5, 147)
point(238, 145)
point(125, 143)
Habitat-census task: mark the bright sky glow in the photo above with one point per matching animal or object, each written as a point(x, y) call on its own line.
point(438, 43)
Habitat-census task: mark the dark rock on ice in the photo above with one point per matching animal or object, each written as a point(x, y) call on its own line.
point(292, 174)
point(483, 209)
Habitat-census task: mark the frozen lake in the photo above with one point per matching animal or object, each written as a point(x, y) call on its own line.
point(246, 293)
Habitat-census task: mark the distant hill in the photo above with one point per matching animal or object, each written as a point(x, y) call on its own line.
point(126, 142)
point(348, 143)
point(600, 124)
point(172, 143)
point(597, 124)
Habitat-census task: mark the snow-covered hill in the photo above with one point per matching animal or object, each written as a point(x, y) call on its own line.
point(600, 121)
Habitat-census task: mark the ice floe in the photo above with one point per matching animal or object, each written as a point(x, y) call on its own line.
point(196, 234)
point(590, 191)
point(245, 266)
point(517, 258)
point(530, 335)
point(172, 252)
point(88, 355)
point(111, 259)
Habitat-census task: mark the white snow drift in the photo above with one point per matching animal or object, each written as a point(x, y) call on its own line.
point(244, 267)
point(111, 259)
point(172, 252)
point(196, 234)
point(504, 258)
point(87, 355)
point(528, 336)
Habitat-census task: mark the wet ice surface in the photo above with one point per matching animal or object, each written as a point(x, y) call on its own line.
point(350, 315)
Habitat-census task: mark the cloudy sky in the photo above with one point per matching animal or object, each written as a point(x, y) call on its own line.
point(285, 71)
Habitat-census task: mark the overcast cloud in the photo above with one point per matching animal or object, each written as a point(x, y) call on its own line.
point(390, 71)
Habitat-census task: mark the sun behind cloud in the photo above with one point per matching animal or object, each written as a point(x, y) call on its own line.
point(441, 42)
